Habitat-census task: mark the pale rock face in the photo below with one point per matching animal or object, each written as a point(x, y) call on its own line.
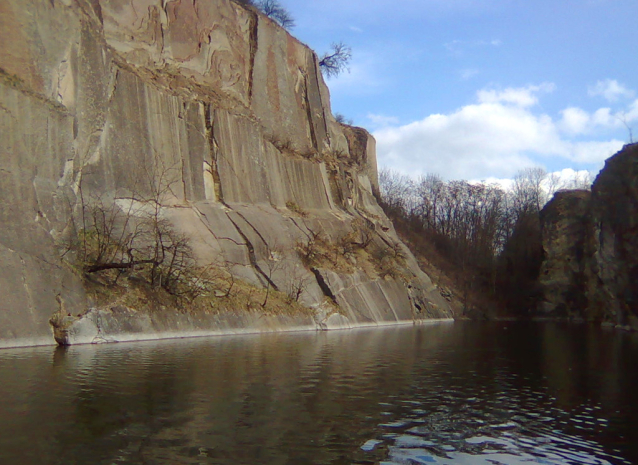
point(99, 97)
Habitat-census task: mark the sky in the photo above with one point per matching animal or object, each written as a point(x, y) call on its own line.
point(480, 89)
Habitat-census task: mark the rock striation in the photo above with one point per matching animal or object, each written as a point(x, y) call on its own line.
point(590, 240)
point(224, 111)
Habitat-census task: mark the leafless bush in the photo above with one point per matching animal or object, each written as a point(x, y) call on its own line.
point(309, 251)
point(128, 233)
point(336, 61)
point(283, 145)
point(345, 245)
point(273, 263)
point(297, 284)
point(135, 239)
point(274, 10)
point(293, 207)
point(363, 233)
point(341, 119)
point(384, 261)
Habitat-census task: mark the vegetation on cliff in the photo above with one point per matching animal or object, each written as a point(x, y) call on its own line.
point(195, 164)
point(485, 239)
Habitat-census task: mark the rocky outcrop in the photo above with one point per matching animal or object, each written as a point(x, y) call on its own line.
point(568, 244)
point(615, 212)
point(225, 113)
point(590, 241)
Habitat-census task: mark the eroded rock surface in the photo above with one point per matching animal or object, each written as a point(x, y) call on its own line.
point(590, 240)
point(105, 97)
point(568, 244)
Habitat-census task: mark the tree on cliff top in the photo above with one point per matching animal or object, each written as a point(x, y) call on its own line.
point(335, 62)
point(274, 10)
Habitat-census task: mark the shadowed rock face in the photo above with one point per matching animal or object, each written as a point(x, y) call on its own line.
point(615, 211)
point(591, 247)
point(568, 253)
point(99, 97)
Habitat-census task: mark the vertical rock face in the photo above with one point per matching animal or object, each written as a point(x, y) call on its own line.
point(591, 247)
point(568, 254)
point(219, 105)
point(615, 212)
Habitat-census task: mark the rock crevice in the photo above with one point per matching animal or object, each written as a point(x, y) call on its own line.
point(206, 106)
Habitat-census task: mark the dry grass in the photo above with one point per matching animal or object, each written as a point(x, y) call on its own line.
point(293, 207)
point(362, 249)
point(140, 296)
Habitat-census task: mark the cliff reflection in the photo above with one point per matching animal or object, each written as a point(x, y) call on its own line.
point(310, 398)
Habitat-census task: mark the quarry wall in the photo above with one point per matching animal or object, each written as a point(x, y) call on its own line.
point(229, 115)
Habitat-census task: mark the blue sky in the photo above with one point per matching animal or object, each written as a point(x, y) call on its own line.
point(478, 89)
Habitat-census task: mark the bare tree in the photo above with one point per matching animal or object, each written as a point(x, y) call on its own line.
point(529, 194)
point(129, 233)
point(336, 61)
point(341, 119)
point(297, 283)
point(580, 180)
point(396, 188)
point(274, 10)
point(623, 119)
point(273, 263)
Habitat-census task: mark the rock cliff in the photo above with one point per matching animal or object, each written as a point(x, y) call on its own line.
point(590, 241)
point(218, 119)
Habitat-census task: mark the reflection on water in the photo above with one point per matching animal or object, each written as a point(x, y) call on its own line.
point(454, 393)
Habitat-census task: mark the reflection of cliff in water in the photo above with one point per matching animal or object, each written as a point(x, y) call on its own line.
point(317, 398)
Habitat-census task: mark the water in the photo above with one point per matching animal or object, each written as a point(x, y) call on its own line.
point(462, 393)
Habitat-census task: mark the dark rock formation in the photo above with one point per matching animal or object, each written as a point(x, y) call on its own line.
point(615, 214)
point(568, 253)
point(590, 241)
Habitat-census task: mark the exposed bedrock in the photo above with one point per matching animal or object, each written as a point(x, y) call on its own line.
point(222, 116)
point(590, 241)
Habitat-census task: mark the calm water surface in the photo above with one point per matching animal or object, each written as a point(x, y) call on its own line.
point(462, 393)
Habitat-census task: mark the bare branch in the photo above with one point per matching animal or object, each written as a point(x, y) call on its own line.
point(274, 10)
point(336, 62)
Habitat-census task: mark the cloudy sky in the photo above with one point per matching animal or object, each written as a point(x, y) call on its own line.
point(478, 89)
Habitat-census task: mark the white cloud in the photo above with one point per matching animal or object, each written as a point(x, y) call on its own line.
point(576, 121)
point(475, 142)
point(494, 138)
point(593, 152)
point(567, 178)
point(503, 183)
point(521, 96)
point(632, 114)
point(611, 90)
point(570, 178)
point(603, 117)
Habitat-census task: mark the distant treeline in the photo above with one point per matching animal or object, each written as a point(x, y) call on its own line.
point(485, 238)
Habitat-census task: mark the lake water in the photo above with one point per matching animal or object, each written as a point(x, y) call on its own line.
point(457, 393)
